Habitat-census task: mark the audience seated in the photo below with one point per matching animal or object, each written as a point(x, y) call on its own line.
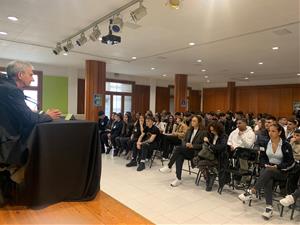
point(275, 161)
point(292, 125)
point(190, 147)
point(102, 125)
point(122, 141)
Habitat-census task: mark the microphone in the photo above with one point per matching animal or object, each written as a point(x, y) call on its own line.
point(29, 99)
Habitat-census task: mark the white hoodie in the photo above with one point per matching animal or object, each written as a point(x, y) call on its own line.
point(245, 140)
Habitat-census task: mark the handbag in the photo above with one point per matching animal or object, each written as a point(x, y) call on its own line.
point(206, 152)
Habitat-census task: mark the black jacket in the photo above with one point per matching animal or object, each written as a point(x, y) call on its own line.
point(288, 158)
point(102, 123)
point(127, 129)
point(16, 118)
point(198, 139)
point(262, 139)
point(116, 128)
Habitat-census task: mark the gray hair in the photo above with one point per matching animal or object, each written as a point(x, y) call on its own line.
point(15, 67)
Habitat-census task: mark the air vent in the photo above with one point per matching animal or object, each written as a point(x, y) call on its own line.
point(161, 57)
point(282, 32)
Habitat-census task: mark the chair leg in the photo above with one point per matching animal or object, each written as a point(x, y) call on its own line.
point(189, 167)
point(281, 211)
point(152, 158)
point(293, 211)
point(198, 178)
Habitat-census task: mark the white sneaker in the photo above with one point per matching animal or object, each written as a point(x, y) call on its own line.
point(165, 169)
point(247, 196)
point(267, 214)
point(176, 183)
point(287, 201)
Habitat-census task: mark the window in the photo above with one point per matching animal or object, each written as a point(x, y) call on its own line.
point(107, 105)
point(118, 87)
point(127, 103)
point(117, 103)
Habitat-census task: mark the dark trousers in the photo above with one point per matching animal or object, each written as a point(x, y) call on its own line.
point(266, 180)
point(103, 140)
point(122, 143)
point(296, 194)
point(145, 151)
point(293, 177)
point(180, 154)
point(168, 142)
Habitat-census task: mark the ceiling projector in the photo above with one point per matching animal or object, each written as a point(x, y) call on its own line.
point(111, 39)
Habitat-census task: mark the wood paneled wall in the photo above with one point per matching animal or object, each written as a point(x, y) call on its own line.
point(215, 99)
point(273, 99)
point(141, 98)
point(162, 101)
point(80, 96)
point(180, 93)
point(195, 101)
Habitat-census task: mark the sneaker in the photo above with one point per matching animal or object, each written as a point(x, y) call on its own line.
point(247, 196)
point(287, 201)
point(267, 214)
point(176, 183)
point(164, 159)
point(240, 186)
point(141, 167)
point(131, 163)
point(165, 169)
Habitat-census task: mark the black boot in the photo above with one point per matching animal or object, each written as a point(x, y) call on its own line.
point(210, 181)
point(108, 150)
point(116, 151)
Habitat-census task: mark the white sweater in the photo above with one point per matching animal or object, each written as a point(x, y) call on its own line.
point(245, 140)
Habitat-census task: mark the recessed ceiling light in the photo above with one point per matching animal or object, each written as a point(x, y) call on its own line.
point(275, 48)
point(205, 77)
point(164, 75)
point(199, 60)
point(153, 68)
point(133, 57)
point(260, 63)
point(65, 53)
point(203, 70)
point(12, 18)
point(191, 43)
point(246, 78)
point(298, 74)
point(252, 72)
point(208, 81)
point(3, 33)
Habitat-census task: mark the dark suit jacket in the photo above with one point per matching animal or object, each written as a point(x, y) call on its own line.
point(198, 139)
point(15, 116)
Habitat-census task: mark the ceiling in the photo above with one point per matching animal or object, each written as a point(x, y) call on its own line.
point(231, 37)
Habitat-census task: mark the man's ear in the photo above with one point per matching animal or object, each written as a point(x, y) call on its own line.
point(19, 75)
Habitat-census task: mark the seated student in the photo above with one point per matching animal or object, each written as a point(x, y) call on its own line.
point(190, 147)
point(116, 131)
point(138, 129)
point(217, 142)
point(262, 135)
point(102, 125)
point(173, 139)
point(283, 121)
point(122, 141)
point(159, 124)
point(147, 142)
point(292, 125)
point(275, 161)
point(105, 136)
point(243, 136)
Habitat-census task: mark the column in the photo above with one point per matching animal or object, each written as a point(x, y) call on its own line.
point(95, 77)
point(231, 96)
point(152, 95)
point(180, 93)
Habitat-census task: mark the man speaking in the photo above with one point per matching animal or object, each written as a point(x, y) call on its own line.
point(16, 118)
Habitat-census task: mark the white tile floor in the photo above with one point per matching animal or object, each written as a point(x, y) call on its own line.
point(149, 193)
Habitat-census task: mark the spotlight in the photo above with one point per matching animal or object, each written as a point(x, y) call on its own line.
point(68, 46)
point(138, 13)
point(94, 36)
point(82, 40)
point(117, 24)
point(57, 49)
point(111, 39)
point(175, 4)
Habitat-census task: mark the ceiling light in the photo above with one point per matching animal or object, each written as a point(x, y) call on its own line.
point(203, 70)
point(57, 49)
point(12, 18)
point(199, 60)
point(246, 78)
point(65, 54)
point(298, 74)
point(174, 4)
point(208, 81)
point(164, 75)
point(205, 77)
point(260, 63)
point(153, 68)
point(191, 43)
point(138, 13)
point(95, 35)
point(133, 57)
point(275, 48)
point(252, 72)
point(82, 40)
point(68, 46)
point(116, 24)
point(3, 33)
